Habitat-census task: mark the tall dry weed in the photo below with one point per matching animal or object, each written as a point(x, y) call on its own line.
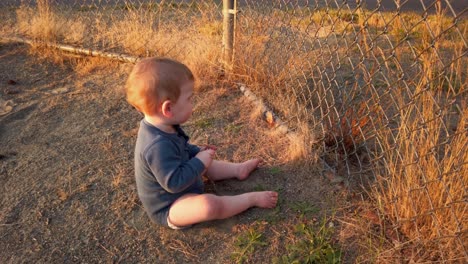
point(301, 144)
point(423, 185)
point(44, 23)
point(424, 168)
point(140, 33)
point(135, 31)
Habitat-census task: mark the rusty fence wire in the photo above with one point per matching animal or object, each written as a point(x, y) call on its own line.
point(377, 88)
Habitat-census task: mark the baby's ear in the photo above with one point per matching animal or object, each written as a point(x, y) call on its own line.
point(166, 107)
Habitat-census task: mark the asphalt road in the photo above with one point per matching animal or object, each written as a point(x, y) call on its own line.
point(459, 7)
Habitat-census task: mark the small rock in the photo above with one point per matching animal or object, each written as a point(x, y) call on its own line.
point(6, 106)
point(12, 82)
point(270, 118)
point(60, 90)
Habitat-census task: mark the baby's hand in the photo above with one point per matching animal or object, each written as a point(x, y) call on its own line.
point(205, 147)
point(206, 157)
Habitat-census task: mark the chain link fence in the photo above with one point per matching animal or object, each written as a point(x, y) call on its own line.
point(382, 93)
point(378, 88)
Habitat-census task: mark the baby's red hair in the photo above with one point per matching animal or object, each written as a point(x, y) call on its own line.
point(155, 80)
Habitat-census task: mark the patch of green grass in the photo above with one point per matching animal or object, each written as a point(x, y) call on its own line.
point(204, 122)
point(232, 128)
point(246, 244)
point(274, 170)
point(275, 215)
point(259, 188)
point(312, 245)
point(379, 83)
point(303, 208)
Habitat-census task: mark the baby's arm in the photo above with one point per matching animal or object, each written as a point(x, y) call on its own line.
point(171, 173)
point(206, 157)
point(193, 150)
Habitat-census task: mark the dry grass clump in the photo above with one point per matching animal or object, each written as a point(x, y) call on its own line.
point(298, 146)
point(45, 24)
point(135, 31)
point(271, 71)
point(426, 170)
point(440, 27)
point(85, 66)
point(301, 147)
point(295, 146)
point(141, 33)
point(421, 188)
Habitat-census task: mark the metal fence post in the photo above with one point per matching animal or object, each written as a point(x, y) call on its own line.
point(228, 32)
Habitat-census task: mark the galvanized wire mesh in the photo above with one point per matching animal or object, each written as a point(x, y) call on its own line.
point(377, 87)
point(381, 90)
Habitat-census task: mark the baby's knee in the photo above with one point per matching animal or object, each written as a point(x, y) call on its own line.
point(212, 205)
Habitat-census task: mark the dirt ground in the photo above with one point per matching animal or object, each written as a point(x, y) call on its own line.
point(66, 171)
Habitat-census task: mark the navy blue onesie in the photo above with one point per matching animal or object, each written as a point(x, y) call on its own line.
point(165, 169)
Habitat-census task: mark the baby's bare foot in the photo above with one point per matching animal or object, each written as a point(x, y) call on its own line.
point(266, 199)
point(247, 167)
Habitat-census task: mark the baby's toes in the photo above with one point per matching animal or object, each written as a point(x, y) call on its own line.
point(273, 199)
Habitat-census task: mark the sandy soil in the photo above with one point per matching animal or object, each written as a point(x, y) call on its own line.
point(66, 170)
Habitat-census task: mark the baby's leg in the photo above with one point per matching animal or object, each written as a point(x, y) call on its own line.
point(196, 208)
point(222, 170)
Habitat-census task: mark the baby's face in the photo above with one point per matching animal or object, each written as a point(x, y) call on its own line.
point(182, 109)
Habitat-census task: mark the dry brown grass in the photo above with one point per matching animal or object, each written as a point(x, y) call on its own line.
point(194, 44)
point(45, 23)
point(422, 187)
point(137, 32)
point(301, 144)
point(418, 192)
point(85, 66)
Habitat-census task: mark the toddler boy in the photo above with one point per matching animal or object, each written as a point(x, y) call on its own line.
point(168, 169)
